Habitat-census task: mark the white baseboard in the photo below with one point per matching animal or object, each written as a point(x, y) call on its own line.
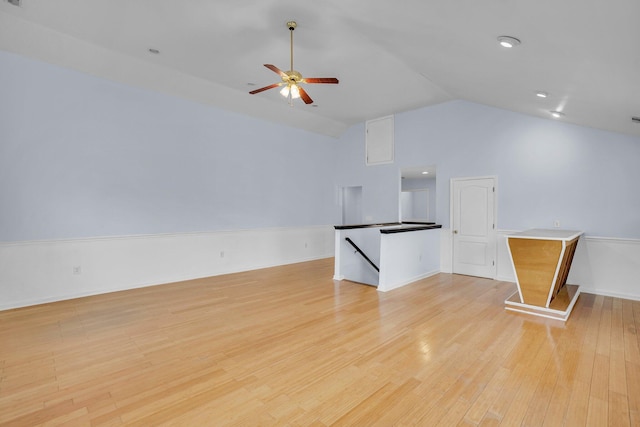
point(45, 271)
point(607, 293)
point(409, 281)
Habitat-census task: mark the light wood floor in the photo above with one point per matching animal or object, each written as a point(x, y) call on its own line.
point(289, 346)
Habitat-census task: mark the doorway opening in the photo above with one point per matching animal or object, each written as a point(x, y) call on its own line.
point(351, 205)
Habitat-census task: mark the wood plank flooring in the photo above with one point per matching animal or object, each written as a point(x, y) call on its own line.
point(288, 346)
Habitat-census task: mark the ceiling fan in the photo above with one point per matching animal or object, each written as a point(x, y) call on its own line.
point(291, 80)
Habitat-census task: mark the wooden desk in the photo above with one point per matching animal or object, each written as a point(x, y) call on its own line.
point(541, 260)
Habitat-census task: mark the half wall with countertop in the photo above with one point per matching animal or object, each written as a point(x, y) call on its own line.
point(387, 255)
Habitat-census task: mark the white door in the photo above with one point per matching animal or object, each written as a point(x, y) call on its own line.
point(473, 225)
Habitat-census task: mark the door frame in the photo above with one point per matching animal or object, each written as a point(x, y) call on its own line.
point(495, 217)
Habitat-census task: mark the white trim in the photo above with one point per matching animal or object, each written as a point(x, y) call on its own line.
point(43, 271)
point(542, 311)
point(605, 293)
point(548, 234)
point(156, 236)
point(613, 239)
point(548, 316)
point(407, 281)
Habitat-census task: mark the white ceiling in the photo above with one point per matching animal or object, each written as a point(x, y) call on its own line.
point(389, 56)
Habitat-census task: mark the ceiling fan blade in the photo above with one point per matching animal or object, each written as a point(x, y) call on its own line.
point(305, 96)
point(262, 89)
point(321, 80)
point(276, 70)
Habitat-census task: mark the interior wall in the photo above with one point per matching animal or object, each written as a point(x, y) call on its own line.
point(43, 271)
point(83, 157)
point(380, 183)
point(105, 187)
point(547, 170)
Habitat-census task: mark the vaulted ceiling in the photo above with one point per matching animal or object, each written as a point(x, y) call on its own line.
point(389, 56)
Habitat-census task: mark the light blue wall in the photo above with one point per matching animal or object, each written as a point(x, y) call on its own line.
point(547, 170)
point(380, 183)
point(81, 156)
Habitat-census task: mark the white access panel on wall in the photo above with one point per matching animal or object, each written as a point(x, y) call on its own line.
point(379, 141)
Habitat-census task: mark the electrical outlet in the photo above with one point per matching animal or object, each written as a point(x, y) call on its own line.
point(77, 270)
point(556, 223)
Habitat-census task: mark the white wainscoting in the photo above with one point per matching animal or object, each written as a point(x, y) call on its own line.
point(44, 271)
point(602, 266)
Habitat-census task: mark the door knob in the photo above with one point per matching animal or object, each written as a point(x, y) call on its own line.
point(455, 231)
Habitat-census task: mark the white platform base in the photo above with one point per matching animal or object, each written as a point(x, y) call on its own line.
point(560, 308)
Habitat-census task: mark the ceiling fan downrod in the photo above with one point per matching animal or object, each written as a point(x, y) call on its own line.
point(292, 26)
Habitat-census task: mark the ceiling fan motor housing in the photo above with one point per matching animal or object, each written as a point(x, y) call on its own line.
point(292, 76)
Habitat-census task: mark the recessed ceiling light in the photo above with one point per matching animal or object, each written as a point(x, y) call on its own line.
point(425, 173)
point(541, 94)
point(154, 51)
point(508, 41)
point(557, 114)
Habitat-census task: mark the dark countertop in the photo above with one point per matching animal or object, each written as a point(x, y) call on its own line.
point(398, 227)
point(404, 229)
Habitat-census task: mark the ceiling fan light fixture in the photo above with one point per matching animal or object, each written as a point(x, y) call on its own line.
point(508, 41)
point(290, 89)
point(295, 91)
